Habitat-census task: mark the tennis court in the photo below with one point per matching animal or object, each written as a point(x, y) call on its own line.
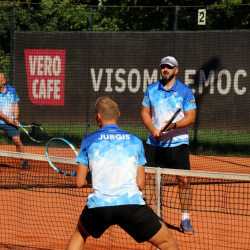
point(40, 207)
point(60, 76)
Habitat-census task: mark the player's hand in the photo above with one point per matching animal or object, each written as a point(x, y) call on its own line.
point(171, 126)
point(17, 123)
point(156, 133)
point(11, 121)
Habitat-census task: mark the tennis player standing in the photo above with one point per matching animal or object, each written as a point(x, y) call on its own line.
point(115, 159)
point(9, 112)
point(170, 149)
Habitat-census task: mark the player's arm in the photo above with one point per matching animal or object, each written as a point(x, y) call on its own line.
point(188, 119)
point(83, 177)
point(16, 113)
point(7, 119)
point(147, 121)
point(140, 177)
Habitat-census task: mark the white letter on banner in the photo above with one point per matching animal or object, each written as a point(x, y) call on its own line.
point(49, 87)
point(56, 65)
point(96, 83)
point(56, 89)
point(42, 89)
point(189, 81)
point(138, 82)
point(228, 82)
point(236, 82)
point(120, 80)
point(147, 79)
point(207, 82)
point(47, 66)
point(40, 66)
point(32, 65)
point(109, 88)
point(35, 82)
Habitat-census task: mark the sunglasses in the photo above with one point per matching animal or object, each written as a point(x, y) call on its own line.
point(163, 66)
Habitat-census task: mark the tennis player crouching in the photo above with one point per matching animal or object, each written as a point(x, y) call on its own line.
point(115, 160)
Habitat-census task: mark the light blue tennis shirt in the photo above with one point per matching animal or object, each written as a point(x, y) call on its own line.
point(113, 156)
point(164, 103)
point(7, 100)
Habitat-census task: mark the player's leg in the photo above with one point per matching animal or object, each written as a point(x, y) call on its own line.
point(141, 223)
point(181, 154)
point(19, 145)
point(20, 148)
point(13, 133)
point(164, 239)
point(185, 194)
point(150, 191)
point(79, 237)
point(92, 221)
point(178, 158)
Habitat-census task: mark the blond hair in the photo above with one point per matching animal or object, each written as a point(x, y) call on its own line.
point(107, 108)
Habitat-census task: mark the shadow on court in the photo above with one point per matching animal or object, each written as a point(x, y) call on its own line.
point(172, 227)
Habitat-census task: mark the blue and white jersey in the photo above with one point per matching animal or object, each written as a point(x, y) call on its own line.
point(113, 156)
point(7, 100)
point(164, 103)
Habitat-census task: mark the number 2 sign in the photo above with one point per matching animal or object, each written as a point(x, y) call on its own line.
point(202, 17)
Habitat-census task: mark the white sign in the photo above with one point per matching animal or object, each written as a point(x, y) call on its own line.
point(202, 16)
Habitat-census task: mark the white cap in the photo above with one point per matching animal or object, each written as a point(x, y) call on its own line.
point(170, 61)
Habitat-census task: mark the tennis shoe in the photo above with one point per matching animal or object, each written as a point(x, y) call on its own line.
point(25, 164)
point(186, 227)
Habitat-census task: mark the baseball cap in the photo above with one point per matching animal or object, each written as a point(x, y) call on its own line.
point(170, 61)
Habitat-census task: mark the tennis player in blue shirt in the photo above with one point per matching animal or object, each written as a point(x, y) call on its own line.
point(170, 149)
point(9, 112)
point(113, 161)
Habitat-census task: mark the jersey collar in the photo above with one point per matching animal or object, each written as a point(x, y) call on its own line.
point(161, 87)
point(108, 126)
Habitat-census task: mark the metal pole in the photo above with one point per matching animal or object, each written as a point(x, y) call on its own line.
point(91, 18)
point(11, 47)
point(176, 17)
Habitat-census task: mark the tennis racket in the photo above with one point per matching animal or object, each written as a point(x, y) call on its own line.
point(61, 155)
point(34, 132)
point(171, 120)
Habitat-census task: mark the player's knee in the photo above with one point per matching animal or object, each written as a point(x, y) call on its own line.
point(170, 245)
point(17, 141)
point(164, 239)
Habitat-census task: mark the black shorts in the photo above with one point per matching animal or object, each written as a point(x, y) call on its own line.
point(172, 157)
point(139, 221)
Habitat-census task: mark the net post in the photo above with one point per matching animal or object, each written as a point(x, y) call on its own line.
point(158, 187)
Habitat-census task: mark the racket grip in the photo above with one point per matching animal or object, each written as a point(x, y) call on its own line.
point(89, 178)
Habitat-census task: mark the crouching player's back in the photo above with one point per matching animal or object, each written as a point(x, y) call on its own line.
point(112, 160)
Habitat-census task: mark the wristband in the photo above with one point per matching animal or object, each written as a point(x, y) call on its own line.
point(175, 125)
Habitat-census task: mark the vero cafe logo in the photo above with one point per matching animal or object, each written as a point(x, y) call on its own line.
point(45, 76)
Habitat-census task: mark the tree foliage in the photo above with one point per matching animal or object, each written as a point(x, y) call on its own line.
point(105, 15)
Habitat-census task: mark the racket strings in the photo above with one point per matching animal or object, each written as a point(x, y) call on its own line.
point(36, 133)
point(60, 149)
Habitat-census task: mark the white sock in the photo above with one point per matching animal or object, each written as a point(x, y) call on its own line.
point(184, 216)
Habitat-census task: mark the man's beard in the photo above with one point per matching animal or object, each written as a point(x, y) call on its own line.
point(169, 78)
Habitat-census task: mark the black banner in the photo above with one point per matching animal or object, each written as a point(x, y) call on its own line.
point(59, 75)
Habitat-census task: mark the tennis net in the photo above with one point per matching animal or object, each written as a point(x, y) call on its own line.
point(39, 207)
